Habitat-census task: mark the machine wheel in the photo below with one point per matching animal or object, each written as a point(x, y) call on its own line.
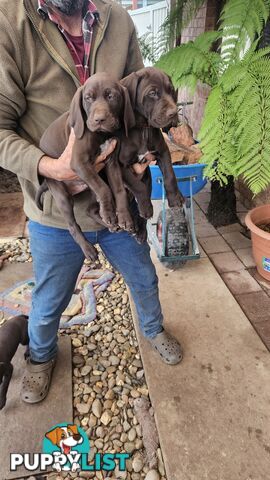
point(177, 236)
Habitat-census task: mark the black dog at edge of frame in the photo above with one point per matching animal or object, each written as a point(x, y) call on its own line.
point(12, 333)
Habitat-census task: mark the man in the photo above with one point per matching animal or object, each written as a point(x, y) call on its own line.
point(49, 48)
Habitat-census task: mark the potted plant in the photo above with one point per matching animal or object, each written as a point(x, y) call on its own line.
point(258, 221)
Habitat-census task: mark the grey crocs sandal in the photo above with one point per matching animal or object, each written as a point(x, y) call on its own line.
point(36, 381)
point(168, 348)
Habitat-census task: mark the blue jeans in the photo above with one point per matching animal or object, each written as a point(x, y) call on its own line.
point(57, 261)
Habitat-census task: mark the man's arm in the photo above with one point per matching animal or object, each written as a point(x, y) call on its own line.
point(16, 154)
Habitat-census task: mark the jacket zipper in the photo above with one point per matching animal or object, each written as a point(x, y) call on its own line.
point(52, 52)
point(98, 42)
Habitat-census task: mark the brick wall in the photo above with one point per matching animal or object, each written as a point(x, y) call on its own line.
point(205, 20)
point(196, 26)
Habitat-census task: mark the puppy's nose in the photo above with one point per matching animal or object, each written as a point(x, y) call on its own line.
point(99, 117)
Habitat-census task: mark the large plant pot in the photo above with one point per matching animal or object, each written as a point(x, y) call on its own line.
point(260, 239)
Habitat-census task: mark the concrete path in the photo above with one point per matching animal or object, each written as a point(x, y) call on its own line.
point(212, 410)
point(23, 426)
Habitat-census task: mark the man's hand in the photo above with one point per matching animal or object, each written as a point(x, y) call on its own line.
point(139, 168)
point(59, 169)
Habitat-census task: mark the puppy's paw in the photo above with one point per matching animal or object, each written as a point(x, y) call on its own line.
point(108, 217)
point(125, 222)
point(175, 200)
point(146, 211)
point(141, 230)
point(141, 236)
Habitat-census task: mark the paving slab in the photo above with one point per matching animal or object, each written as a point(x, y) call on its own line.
point(12, 216)
point(245, 255)
point(22, 425)
point(237, 240)
point(205, 230)
point(214, 244)
point(212, 410)
point(226, 262)
point(265, 284)
point(256, 306)
point(234, 227)
point(240, 282)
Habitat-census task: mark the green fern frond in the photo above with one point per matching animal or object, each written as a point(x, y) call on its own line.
point(240, 22)
point(192, 62)
point(216, 139)
point(253, 133)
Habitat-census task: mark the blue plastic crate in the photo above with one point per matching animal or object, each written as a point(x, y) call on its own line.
point(181, 171)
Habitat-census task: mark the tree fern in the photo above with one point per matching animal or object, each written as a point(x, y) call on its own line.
point(193, 61)
point(240, 22)
point(252, 133)
point(217, 138)
point(235, 132)
point(235, 128)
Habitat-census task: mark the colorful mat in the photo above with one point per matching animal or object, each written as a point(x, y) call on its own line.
point(82, 307)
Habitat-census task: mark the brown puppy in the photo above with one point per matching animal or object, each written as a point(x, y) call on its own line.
point(12, 333)
point(153, 100)
point(99, 108)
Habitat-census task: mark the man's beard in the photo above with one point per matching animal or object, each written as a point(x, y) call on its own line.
point(68, 7)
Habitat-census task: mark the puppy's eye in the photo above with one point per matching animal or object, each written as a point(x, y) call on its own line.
point(63, 436)
point(110, 95)
point(88, 97)
point(153, 93)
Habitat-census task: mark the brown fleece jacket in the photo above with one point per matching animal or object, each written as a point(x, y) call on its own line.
point(38, 79)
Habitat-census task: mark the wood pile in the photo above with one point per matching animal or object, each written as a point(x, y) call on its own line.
point(182, 146)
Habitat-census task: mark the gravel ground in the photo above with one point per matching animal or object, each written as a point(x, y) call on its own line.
point(108, 376)
point(8, 182)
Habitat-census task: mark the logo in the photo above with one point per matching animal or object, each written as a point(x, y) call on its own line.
point(266, 264)
point(66, 448)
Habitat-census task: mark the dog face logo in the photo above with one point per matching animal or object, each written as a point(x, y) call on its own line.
point(66, 442)
point(65, 437)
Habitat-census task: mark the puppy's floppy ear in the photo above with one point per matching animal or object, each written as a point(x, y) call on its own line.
point(131, 82)
point(129, 117)
point(76, 119)
point(53, 435)
point(173, 90)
